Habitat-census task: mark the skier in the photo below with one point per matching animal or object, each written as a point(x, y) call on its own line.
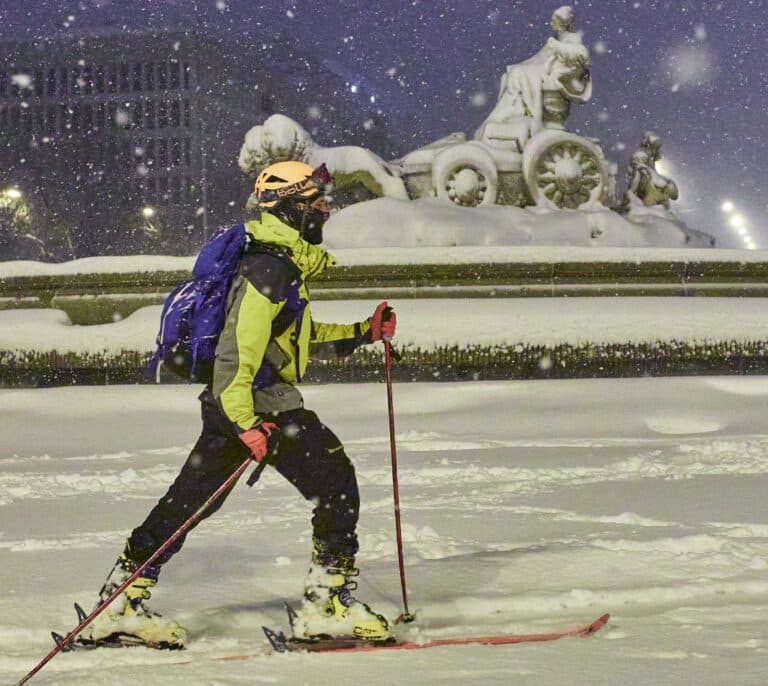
point(267, 332)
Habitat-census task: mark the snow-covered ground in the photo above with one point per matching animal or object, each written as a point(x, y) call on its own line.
point(526, 506)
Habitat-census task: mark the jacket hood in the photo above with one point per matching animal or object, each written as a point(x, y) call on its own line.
point(311, 259)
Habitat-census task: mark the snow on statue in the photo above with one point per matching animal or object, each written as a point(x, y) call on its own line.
point(647, 187)
point(280, 139)
point(520, 157)
point(537, 93)
point(521, 154)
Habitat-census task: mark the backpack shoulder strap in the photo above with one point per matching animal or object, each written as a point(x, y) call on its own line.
point(270, 270)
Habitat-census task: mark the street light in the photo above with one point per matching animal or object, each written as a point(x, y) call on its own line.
point(147, 212)
point(13, 194)
point(737, 221)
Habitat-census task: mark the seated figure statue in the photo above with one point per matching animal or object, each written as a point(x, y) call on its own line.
point(538, 93)
point(646, 186)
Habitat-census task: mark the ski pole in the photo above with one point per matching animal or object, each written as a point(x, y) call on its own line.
point(61, 644)
point(406, 616)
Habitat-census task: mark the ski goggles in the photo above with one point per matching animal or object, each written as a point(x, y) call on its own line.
point(322, 179)
point(319, 180)
point(321, 176)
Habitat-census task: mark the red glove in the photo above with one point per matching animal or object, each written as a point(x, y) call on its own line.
point(261, 440)
point(383, 322)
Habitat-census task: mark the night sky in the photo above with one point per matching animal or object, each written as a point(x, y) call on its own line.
point(695, 72)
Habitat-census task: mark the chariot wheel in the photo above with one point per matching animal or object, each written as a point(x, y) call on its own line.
point(564, 171)
point(465, 175)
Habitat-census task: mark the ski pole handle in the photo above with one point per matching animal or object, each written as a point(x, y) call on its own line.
point(270, 458)
point(386, 316)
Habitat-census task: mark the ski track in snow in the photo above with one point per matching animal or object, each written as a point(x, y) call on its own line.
point(502, 532)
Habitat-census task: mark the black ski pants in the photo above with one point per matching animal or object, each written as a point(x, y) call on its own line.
point(309, 455)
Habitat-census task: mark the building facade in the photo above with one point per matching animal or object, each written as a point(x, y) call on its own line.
point(126, 137)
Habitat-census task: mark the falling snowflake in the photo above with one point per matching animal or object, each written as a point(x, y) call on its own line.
point(688, 66)
point(479, 99)
point(123, 118)
point(22, 80)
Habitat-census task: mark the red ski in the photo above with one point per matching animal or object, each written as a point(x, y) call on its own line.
point(282, 644)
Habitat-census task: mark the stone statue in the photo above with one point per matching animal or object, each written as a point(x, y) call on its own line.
point(537, 94)
point(281, 138)
point(646, 186)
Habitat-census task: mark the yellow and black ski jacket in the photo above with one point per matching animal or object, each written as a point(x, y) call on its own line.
point(263, 326)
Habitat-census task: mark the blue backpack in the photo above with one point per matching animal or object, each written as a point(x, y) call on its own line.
point(194, 313)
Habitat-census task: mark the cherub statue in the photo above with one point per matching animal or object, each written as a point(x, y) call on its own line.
point(646, 186)
point(538, 93)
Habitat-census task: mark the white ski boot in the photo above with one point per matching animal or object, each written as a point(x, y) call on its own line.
point(128, 621)
point(329, 609)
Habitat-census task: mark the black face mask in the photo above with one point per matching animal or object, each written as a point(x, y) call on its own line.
point(307, 220)
point(312, 225)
